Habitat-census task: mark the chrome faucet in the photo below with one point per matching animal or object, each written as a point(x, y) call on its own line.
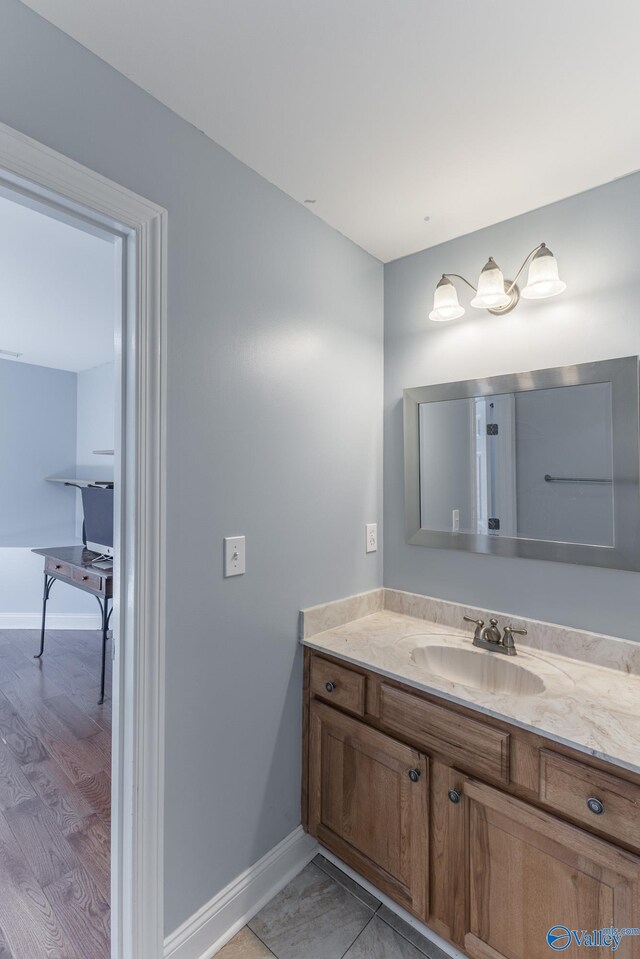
point(490, 637)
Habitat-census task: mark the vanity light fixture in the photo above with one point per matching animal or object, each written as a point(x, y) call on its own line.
point(496, 294)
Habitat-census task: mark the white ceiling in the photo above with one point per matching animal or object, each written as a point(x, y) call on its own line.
point(58, 291)
point(385, 111)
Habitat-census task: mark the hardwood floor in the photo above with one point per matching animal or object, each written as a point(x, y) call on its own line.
point(55, 797)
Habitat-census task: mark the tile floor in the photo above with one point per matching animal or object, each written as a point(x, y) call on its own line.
point(323, 914)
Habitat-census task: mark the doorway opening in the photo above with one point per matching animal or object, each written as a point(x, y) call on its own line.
point(127, 595)
point(60, 310)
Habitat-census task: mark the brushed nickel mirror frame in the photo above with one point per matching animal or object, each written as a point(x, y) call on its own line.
point(622, 374)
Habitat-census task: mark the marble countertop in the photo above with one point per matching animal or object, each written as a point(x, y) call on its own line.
point(592, 708)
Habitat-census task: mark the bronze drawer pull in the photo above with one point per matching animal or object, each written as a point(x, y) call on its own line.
point(330, 687)
point(595, 805)
point(414, 775)
point(454, 796)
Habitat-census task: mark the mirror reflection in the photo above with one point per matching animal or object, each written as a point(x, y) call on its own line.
point(535, 465)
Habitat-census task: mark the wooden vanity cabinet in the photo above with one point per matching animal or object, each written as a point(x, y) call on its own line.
point(495, 841)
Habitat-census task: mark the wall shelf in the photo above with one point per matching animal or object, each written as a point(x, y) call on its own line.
point(78, 481)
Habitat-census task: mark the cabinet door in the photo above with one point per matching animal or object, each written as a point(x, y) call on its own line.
point(529, 872)
point(447, 852)
point(368, 803)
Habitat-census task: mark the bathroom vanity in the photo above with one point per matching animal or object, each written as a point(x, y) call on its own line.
point(492, 797)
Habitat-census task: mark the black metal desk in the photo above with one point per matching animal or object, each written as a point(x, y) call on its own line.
point(72, 565)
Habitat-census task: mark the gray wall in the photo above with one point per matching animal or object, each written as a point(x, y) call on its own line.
point(48, 418)
point(96, 426)
point(596, 239)
point(274, 431)
point(96, 420)
point(37, 439)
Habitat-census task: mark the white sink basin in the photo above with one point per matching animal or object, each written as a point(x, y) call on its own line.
point(489, 672)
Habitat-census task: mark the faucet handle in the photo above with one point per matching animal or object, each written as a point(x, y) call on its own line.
point(507, 638)
point(518, 632)
point(478, 623)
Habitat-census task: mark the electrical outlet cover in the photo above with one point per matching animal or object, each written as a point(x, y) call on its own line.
point(372, 537)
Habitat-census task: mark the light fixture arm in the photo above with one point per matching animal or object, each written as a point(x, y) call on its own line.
point(457, 276)
point(526, 260)
point(528, 257)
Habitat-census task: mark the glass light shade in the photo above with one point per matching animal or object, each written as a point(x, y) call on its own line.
point(445, 302)
point(543, 277)
point(491, 292)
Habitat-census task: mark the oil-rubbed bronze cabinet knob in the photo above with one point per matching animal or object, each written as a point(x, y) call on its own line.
point(330, 687)
point(414, 775)
point(595, 805)
point(454, 796)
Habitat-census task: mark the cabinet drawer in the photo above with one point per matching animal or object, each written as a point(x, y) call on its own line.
point(57, 568)
point(466, 743)
point(88, 579)
point(567, 786)
point(337, 685)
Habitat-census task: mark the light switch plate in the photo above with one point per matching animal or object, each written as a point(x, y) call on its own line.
point(372, 537)
point(234, 555)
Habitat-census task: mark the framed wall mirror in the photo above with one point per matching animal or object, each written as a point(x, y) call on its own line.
point(544, 465)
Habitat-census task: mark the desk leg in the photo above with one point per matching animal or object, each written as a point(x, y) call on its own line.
point(48, 583)
point(106, 616)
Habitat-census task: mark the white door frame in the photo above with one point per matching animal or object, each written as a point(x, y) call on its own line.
point(139, 614)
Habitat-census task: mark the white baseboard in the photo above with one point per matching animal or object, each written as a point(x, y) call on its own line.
point(54, 621)
point(207, 931)
point(429, 934)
